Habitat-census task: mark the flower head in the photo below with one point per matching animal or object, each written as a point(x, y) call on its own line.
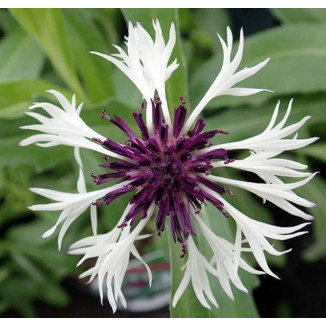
point(164, 169)
point(169, 169)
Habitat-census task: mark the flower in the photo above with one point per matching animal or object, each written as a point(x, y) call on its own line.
point(169, 169)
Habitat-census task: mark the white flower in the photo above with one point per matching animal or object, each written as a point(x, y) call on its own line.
point(169, 169)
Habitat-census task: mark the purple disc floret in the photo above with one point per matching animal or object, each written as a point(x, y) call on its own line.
point(164, 167)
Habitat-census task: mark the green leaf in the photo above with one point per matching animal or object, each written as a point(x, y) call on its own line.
point(4, 274)
point(198, 28)
point(84, 36)
point(17, 96)
point(14, 192)
point(210, 22)
point(315, 191)
point(19, 294)
point(48, 290)
point(107, 19)
point(4, 306)
point(7, 22)
point(297, 52)
point(317, 151)
point(15, 155)
point(125, 91)
point(213, 20)
point(145, 16)
point(46, 25)
point(300, 15)
point(32, 271)
point(41, 254)
point(20, 56)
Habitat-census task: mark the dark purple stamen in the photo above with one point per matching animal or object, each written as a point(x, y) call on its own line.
point(157, 113)
point(164, 168)
point(179, 118)
point(199, 126)
point(120, 123)
point(141, 125)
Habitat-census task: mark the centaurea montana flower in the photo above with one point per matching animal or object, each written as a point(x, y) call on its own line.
point(167, 170)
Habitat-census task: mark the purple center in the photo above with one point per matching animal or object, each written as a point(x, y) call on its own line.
point(165, 168)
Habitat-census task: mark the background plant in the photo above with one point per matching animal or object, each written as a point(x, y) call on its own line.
point(43, 49)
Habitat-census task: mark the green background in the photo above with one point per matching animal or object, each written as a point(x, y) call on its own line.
point(43, 49)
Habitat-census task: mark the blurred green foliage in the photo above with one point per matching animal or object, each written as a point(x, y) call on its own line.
point(43, 49)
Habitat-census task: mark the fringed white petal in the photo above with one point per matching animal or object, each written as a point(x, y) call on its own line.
point(72, 205)
point(264, 147)
point(146, 63)
point(256, 232)
point(112, 251)
point(226, 258)
point(227, 78)
point(272, 138)
point(64, 126)
point(280, 194)
point(196, 269)
point(265, 166)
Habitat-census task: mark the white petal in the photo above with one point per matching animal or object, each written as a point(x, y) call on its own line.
point(256, 233)
point(227, 78)
point(112, 251)
point(63, 127)
point(196, 268)
point(272, 138)
point(146, 64)
point(72, 206)
point(244, 91)
point(227, 258)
